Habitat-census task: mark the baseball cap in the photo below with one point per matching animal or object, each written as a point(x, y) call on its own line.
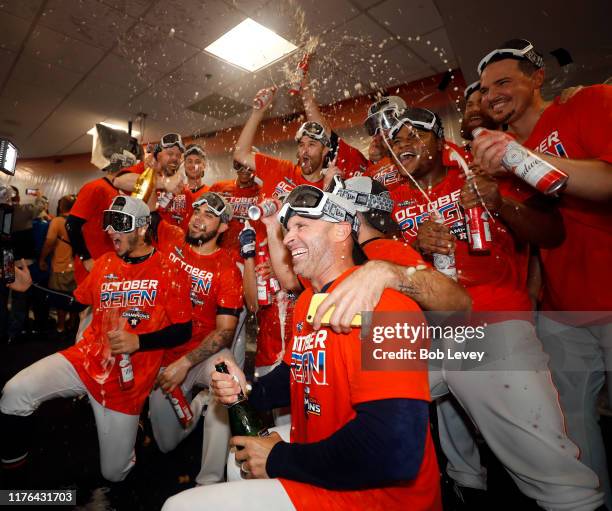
point(126, 214)
point(216, 204)
point(373, 200)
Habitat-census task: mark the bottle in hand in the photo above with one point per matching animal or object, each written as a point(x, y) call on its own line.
point(243, 418)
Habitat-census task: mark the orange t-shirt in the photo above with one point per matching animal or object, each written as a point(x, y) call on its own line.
point(93, 198)
point(279, 176)
point(385, 172)
point(350, 160)
point(577, 274)
point(61, 260)
point(240, 199)
point(141, 298)
point(180, 209)
point(496, 281)
point(216, 284)
point(327, 381)
point(198, 192)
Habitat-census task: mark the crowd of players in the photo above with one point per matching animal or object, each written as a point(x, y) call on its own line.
point(166, 282)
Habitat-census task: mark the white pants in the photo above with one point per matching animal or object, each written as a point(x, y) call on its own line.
point(168, 431)
point(515, 407)
point(54, 376)
point(579, 361)
point(237, 494)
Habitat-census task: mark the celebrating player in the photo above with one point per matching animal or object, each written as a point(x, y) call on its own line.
point(141, 306)
point(216, 296)
point(359, 420)
point(574, 137)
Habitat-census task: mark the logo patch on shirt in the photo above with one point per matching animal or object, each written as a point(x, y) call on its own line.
point(299, 327)
point(311, 404)
point(111, 276)
point(135, 316)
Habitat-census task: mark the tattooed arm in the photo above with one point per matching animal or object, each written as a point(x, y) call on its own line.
point(215, 341)
point(429, 288)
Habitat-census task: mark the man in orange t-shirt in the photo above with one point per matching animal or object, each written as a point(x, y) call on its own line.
point(575, 324)
point(344, 420)
point(281, 176)
point(141, 306)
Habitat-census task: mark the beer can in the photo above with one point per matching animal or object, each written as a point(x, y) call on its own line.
point(262, 98)
point(265, 208)
point(181, 406)
point(478, 230)
point(126, 372)
point(532, 169)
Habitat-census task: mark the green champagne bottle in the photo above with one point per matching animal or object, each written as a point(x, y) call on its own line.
point(243, 418)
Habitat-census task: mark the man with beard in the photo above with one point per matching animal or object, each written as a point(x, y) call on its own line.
point(359, 438)
point(194, 161)
point(531, 445)
point(473, 116)
point(216, 296)
point(174, 198)
point(574, 137)
point(281, 176)
point(140, 306)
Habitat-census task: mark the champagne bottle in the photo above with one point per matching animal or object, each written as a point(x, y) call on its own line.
point(244, 419)
point(144, 185)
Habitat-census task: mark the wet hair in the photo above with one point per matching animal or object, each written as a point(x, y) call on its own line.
point(65, 204)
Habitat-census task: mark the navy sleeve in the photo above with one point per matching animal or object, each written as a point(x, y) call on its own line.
point(168, 337)
point(272, 390)
point(383, 444)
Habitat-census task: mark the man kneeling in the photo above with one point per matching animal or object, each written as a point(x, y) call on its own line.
point(366, 443)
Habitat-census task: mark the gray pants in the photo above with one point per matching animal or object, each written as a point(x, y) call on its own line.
point(54, 376)
point(579, 361)
point(168, 431)
point(514, 404)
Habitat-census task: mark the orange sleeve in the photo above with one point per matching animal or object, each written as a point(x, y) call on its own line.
point(167, 235)
point(593, 110)
point(86, 204)
point(350, 160)
point(86, 293)
point(268, 168)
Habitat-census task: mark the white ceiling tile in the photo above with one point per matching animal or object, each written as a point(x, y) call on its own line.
point(205, 71)
point(121, 72)
point(25, 9)
point(13, 31)
point(86, 20)
point(45, 76)
point(60, 50)
point(297, 21)
point(408, 17)
point(133, 8)
point(198, 22)
point(149, 47)
point(6, 57)
point(435, 48)
point(366, 4)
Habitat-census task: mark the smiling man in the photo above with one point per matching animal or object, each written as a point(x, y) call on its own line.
point(541, 458)
point(574, 136)
point(359, 419)
point(140, 304)
point(216, 297)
